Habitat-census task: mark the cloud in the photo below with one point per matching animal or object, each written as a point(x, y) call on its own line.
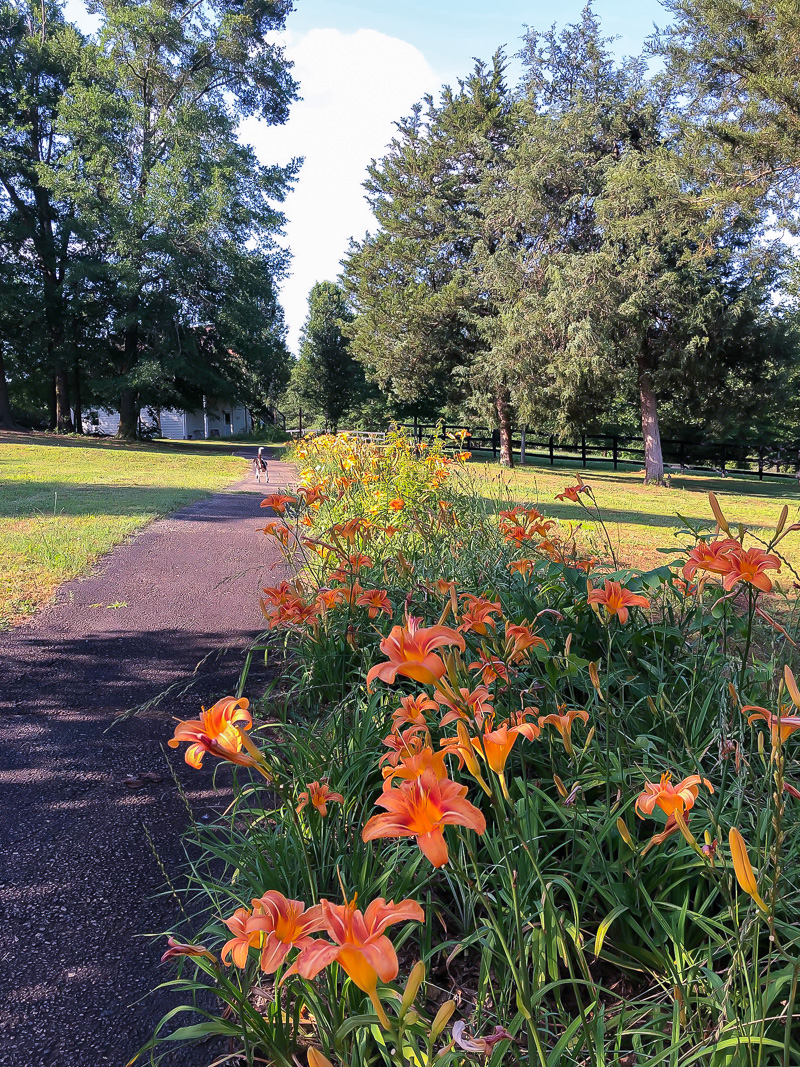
point(354, 87)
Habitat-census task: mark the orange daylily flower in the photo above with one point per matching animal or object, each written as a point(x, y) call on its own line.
point(709, 556)
point(496, 745)
point(328, 598)
point(563, 723)
point(616, 599)
point(217, 732)
point(278, 502)
point(421, 808)
point(519, 638)
point(360, 945)
point(490, 667)
point(748, 565)
point(282, 925)
point(376, 600)
point(410, 652)
point(478, 614)
point(402, 745)
point(320, 795)
point(175, 948)
point(521, 566)
point(243, 938)
point(572, 491)
point(670, 798)
point(414, 766)
point(397, 504)
point(781, 727)
point(469, 706)
point(412, 711)
point(278, 530)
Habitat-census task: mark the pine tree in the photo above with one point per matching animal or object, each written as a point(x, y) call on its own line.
point(327, 378)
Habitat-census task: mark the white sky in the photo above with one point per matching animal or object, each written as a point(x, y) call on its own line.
point(354, 87)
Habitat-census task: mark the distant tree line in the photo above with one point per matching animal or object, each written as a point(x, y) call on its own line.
point(138, 254)
point(597, 248)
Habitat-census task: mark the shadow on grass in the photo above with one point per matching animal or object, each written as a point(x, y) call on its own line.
point(43, 499)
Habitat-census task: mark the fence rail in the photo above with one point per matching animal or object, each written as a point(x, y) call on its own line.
point(764, 459)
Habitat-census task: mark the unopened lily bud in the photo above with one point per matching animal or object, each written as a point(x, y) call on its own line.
point(562, 789)
point(415, 980)
point(722, 522)
point(625, 834)
point(316, 1059)
point(443, 1016)
point(595, 679)
point(742, 867)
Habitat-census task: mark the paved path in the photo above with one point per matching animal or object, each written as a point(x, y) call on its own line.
point(78, 882)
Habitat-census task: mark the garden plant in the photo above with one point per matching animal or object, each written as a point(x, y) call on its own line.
point(504, 801)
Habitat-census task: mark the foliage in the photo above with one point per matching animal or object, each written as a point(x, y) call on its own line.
point(574, 794)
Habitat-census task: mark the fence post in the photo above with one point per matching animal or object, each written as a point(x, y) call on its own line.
point(681, 455)
point(495, 441)
point(583, 449)
point(552, 458)
point(615, 450)
point(300, 410)
point(724, 459)
point(761, 463)
point(522, 443)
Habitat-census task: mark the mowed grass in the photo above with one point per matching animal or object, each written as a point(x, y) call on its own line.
point(64, 503)
point(643, 519)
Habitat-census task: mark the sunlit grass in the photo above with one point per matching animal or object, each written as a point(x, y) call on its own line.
point(63, 504)
point(643, 519)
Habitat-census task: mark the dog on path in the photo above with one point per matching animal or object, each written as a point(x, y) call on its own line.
point(260, 467)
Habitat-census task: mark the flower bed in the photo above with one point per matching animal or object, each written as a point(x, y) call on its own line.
point(507, 802)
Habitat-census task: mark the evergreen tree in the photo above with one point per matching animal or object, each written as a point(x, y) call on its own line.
point(327, 377)
point(425, 323)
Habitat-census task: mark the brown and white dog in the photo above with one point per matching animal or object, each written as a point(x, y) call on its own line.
point(260, 467)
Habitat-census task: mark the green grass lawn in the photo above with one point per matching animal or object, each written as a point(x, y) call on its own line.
point(641, 519)
point(64, 502)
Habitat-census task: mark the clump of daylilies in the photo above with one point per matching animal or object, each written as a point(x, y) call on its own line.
point(467, 712)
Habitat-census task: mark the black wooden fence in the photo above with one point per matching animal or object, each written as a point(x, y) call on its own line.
point(764, 459)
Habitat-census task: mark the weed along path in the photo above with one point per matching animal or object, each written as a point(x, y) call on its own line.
point(90, 811)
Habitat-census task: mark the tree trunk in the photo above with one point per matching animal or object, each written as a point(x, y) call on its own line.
point(128, 415)
point(76, 394)
point(128, 407)
point(52, 421)
point(63, 415)
point(6, 418)
point(653, 458)
point(503, 408)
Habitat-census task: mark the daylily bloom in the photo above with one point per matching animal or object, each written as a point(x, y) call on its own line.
point(563, 723)
point(478, 614)
point(670, 798)
point(243, 938)
point(410, 652)
point(360, 945)
point(328, 598)
point(320, 795)
point(519, 638)
point(521, 566)
point(376, 600)
point(402, 745)
point(278, 502)
point(175, 948)
point(282, 925)
point(495, 745)
point(490, 667)
point(616, 599)
point(278, 530)
point(470, 706)
point(709, 556)
point(781, 727)
point(412, 711)
point(397, 504)
point(414, 766)
point(748, 565)
point(572, 491)
point(217, 731)
point(421, 808)
point(483, 1045)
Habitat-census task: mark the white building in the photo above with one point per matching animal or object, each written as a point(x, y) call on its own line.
point(217, 419)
